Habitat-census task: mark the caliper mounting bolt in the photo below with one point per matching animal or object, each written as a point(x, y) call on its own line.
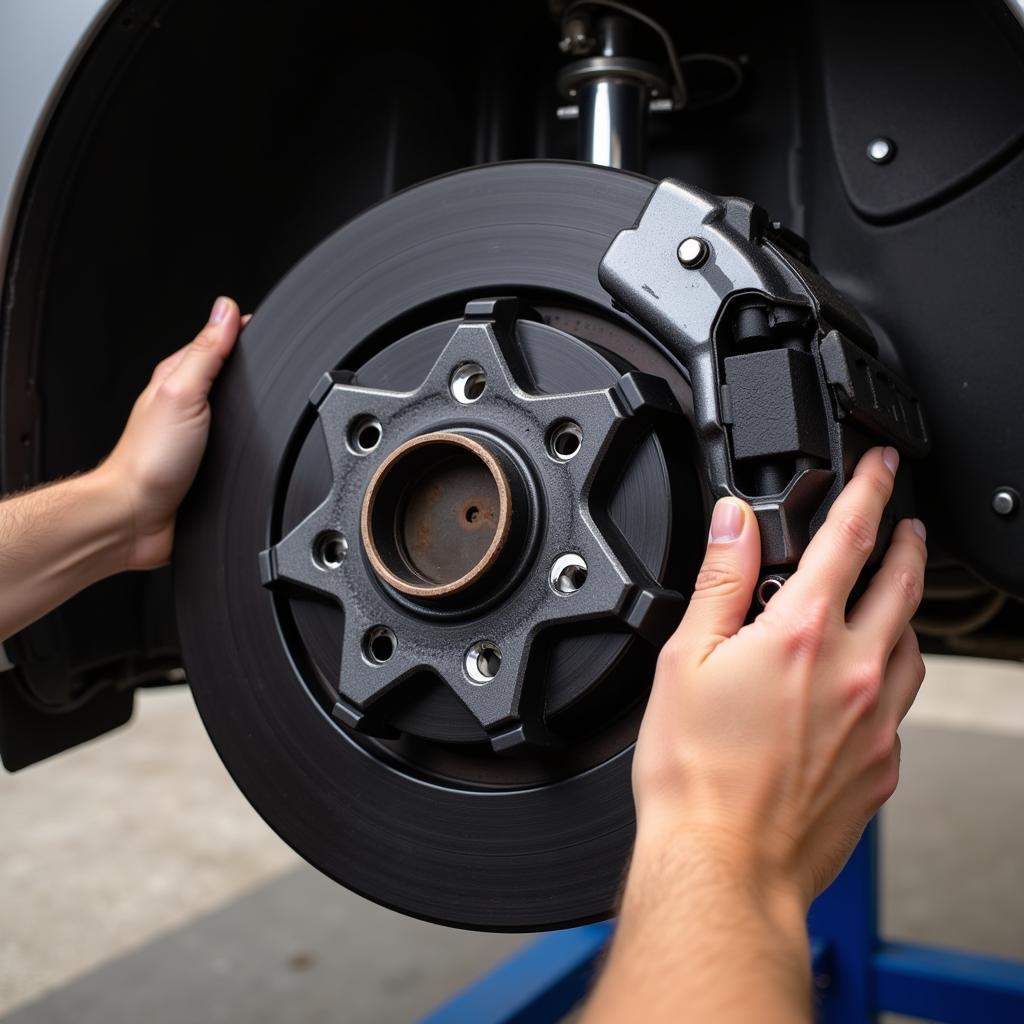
point(692, 252)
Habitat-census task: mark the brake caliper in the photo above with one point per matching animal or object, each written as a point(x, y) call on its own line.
point(788, 391)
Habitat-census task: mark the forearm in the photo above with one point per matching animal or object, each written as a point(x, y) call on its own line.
point(703, 937)
point(56, 540)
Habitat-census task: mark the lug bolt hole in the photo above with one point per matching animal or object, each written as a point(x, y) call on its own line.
point(472, 514)
point(564, 441)
point(568, 574)
point(379, 645)
point(330, 549)
point(364, 435)
point(468, 383)
point(483, 660)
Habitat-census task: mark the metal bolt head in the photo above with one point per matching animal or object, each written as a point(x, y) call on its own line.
point(768, 588)
point(881, 150)
point(692, 252)
point(1005, 501)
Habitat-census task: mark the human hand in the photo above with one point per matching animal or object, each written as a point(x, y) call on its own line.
point(156, 459)
point(769, 746)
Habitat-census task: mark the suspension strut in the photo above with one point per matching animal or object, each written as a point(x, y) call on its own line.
point(611, 90)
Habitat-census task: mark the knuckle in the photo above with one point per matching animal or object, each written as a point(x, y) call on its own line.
point(912, 640)
point(888, 781)
point(882, 749)
point(881, 484)
point(673, 656)
point(171, 391)
point(920, 670)
point(716, 578)
point(160, 368)
point(175, 393)
point(863, 685)
point(909, 585)
point(917, 666)
point(804, 639)
point(806, 635)
point(857, 532)
point(654, 775)
point(205, 340)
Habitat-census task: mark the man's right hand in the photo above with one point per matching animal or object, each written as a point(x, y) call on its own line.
point(764, 751)
point(777, 740)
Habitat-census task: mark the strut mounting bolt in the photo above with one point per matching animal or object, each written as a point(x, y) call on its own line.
point(692, 252)
point(881, 150)
point(483, 660)
point(568, 574)
point(1005, 501)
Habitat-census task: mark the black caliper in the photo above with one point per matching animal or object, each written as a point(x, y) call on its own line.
point(788, 390)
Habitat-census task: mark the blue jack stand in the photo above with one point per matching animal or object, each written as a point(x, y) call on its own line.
point(857, 974)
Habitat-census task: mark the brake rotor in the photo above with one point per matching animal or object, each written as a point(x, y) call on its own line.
point(437, 537)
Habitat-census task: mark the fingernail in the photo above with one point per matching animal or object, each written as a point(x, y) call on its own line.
point(220, 310)
point(726, 522)
point(919, 528)
point(891, 458)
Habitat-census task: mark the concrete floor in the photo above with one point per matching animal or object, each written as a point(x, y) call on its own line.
point(137, 884)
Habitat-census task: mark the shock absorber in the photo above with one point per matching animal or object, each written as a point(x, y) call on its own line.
point(611, 91)
point(614, 87)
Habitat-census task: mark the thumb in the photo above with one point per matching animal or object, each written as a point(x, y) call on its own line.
point(201, 360)
point(725, 584)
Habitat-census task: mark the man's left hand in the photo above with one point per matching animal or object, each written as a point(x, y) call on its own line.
point(157, 457)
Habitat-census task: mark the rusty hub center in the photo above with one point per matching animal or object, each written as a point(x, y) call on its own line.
point(436, 515)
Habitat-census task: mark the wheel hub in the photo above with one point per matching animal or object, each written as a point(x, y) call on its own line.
point(483, 479)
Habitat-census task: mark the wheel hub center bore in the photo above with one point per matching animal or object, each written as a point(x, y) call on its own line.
point(436, 515)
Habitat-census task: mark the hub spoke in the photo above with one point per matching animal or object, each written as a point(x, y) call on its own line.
point(312, 556)
point(483, 357)
point(486, 675)
point(609, 591)
point(353, 417)
point(374, 660)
